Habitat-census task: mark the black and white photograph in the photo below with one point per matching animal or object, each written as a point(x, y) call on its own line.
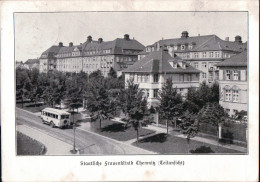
point(141, 83)
point(129, 90)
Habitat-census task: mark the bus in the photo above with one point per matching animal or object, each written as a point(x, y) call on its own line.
point(56, 117)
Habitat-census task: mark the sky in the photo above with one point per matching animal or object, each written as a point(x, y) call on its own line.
point(36, 32)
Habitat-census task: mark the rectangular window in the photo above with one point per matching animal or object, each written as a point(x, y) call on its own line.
point(204, 65)
point(204, 54)
point(155, 93)
point(181, 78)
point(190, 47)
point(147, 93)
point(235, 95)
point(228, 95)
point(196, 55)
point(188, 55)
point(216, 54)
point(196, 64)
point(228, 75)
point(155, 78)
point(204, 75)
point(235, 75)
point(211, 54)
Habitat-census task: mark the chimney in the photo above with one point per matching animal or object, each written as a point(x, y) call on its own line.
point(70, 44)
point(227, 39)
point(89, 39)
point(100, 40)
point(184, 34)
point(126, 37)
point(60, 44)
point(238, 39)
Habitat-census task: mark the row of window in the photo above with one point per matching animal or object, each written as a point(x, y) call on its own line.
point(231, 95)
point(145, 78)
point(55, 116)
point(233, 74)
point(211, 54)
point(105, 51)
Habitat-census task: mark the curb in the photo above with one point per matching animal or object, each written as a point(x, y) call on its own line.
point(119, 142)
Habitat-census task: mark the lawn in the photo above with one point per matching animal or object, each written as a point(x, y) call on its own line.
point(117, 130)
point(31, 107)
point(28, 146)
point(174, 145)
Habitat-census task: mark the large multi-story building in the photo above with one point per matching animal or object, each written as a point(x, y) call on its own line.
point(233, 83)
point(202, 52)
point(92, 55)
point(152, 71)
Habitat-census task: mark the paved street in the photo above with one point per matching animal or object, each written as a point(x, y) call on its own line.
point(86, 141)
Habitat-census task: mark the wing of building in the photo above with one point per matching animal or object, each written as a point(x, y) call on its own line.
point(202, 52)
point(233, 83)
point(93, 55)
point(32, 63)
point(152, 71)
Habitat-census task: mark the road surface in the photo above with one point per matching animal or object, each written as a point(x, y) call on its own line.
point(87, 142)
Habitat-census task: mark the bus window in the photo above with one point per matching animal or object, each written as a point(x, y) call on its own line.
point(49, 114)
point(67, 116)
point(62, 116)
point(56, 116)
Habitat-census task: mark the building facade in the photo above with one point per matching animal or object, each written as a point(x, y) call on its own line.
point(93, 55)
point(152, 71)
point(233, 83)
point(202, 52)
point(32, 63)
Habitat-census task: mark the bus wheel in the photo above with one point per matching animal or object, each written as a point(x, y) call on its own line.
point(51, 124)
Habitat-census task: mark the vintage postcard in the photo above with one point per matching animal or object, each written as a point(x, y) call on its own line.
point(129, 94)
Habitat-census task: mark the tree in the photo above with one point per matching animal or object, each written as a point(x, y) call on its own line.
point(100, 105)
point(212, 113)
point(170, 102)
point(134, 106)
point(112, 73)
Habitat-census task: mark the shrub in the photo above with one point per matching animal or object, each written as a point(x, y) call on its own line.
point(202, 149)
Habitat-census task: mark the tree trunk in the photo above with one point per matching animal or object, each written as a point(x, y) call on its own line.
point(22, 102)
point(137, 135)
point(167, 126)
point(99, 123)
point(175, 123)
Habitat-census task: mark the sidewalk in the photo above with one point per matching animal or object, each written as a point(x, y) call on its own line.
point(53, 146)
point(160, 129)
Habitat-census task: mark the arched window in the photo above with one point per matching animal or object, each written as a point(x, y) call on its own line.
point(236, 92)
point(228, 96)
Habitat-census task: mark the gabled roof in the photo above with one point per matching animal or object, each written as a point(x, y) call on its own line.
point(203, 43)
point(158, 62)
point(236, 60)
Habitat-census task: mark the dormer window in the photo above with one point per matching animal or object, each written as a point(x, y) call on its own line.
point(190, 47)
point(175, 47)
point(182, 47)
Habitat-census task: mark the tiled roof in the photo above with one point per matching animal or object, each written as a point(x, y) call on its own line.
point(237, 60)
point(143, 53)
point(117, 46)
point(32, 61)
point(158, 62)
point(204, 43)
point(53, 49)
